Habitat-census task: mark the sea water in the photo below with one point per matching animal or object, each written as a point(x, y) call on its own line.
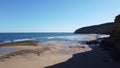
point(42, 37)
point(63, 38)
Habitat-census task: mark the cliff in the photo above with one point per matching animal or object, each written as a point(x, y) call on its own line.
point(96, 29)
point(112, 44)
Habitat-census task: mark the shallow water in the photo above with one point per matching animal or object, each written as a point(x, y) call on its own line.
point(67, 39)
point(8, 50)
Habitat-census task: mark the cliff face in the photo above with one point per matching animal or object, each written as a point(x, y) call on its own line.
point(116, 27)
point(96, 29)
point(113, 42)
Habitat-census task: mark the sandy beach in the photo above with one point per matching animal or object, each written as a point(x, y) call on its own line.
point(59, 33)
point(55, 55)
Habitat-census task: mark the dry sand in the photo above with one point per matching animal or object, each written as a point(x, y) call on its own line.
point(34, 61)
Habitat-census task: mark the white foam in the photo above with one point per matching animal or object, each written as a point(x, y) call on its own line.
point(18, 40)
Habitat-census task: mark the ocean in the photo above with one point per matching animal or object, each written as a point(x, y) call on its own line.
point(15, 37)
point(67, 39)
point(42, 37)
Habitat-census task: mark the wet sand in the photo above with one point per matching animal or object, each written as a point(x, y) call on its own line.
point(36, 56)
point(55, 55)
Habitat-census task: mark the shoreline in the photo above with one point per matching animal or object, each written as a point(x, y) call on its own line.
point(55, 51)
point(38, 56)
point(34, 47)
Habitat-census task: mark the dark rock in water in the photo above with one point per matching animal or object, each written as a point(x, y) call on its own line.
point(113, 42)
point(92, 42)
point(96, 29)
point(106, 43)
point(97, 41)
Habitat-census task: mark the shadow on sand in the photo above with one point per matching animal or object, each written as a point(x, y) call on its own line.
point(95, 58)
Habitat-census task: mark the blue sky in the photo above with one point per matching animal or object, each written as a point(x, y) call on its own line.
point(55, 15)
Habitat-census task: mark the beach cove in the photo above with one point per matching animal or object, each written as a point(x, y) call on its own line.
point(55, 54)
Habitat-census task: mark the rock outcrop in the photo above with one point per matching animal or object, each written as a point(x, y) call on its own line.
point(96, 29)
point(113, 42)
